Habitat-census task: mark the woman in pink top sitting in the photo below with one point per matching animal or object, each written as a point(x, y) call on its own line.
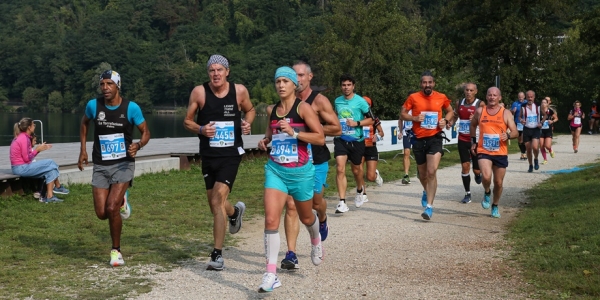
point(23, 164)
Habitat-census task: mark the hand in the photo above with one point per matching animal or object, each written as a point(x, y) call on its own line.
point(470, 117)
point(504, 136)
point(473, 149)
point(83, 159)
point(285, 127)
point(209, 130)
point(43, 147)
point(133, 149)
point(245, 127)
point(262, 144)
point(442, 123)
point(420, 118)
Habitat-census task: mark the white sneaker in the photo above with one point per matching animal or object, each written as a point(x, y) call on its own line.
point(125, 208)
point(116, 259)
point(317, 254)
point(341, 208)
point(379, 180)
point(269, 283)
point(359, 200)
point(216, 265)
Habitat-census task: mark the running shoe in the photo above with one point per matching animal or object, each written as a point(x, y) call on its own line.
point(61, 190)
point(236, 223)
point(359, 200)
point(364, 195)
point(575, 150)
point(405, 179)
point(536, 164)
point(52, 199)
point(341, 208)
point(116, 259)
point(466, 199)
point(270, 282)
point(324, 230)
point(495, 211)
point(317, 254)
point(290, 262)
point(552, 153)
point(589, 132)
point(379, 180)
point(545, 162)
point(125, 208)
point(486, 200)
point(478, 178)
point(217, 264)
point(424, 199)
point(530, 169)
point(427, 213)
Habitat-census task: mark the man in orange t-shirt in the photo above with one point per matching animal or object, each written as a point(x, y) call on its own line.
point(496, 126)
point(426, 115)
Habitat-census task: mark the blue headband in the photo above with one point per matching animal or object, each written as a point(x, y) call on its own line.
point(288, 73)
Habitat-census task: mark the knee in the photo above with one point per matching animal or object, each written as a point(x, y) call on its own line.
point(291, 212)
point(308, 219)
point(271, 222)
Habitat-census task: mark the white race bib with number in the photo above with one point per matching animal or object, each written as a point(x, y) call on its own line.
point(346, 130)
point(224, 135)
point(546, 125)
point(430, 121)
point(519, 127)
point(284, 148)
point(408, 125)
point(112, 146)
point(464, 126)
point(577, 121)
point(491, 142)
point(531, 121)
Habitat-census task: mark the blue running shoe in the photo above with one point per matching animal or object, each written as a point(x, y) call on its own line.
point(495, 212)
point(536, 164)
point(290, 262)
point(427, 213)
point(424, 199)
point(323, 230)
point(486, 201)
point(60, 190)
point(478, 178)
point(530, 169)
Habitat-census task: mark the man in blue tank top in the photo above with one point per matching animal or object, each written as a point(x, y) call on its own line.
point(218, 105)
point(113, 154)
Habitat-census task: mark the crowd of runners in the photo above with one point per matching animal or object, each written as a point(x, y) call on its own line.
point(220, 112)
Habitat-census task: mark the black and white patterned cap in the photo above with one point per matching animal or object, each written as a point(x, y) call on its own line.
point(217, 59)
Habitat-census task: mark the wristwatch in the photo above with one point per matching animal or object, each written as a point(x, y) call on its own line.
point(140, 145)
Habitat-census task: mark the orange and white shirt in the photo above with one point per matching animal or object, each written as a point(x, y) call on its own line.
point(490, 129)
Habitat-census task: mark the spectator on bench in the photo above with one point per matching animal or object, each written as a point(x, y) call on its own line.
point(22, 164)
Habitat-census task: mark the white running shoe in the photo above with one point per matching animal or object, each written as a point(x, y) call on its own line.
point(125, 208)
point(379, 180)
point(317, 254)
point(359, 200)
point(269, 283)
point(341, 208)
point(116, 259)
point(216, 265)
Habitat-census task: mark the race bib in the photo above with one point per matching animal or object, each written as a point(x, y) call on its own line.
point(531, 121)
point(491, 142)
point(464, 126)
point(577, 121)
point(309, 150)
point(367, 135)
point(430, 121)
point(224, 135)
point(346, 130)
point(284, 148)
point(408, 125)
point(112, 146)
point(546, 125)
point(519, 127)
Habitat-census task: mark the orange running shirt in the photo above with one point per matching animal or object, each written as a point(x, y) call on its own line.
point(432, 107)
point(490, 128)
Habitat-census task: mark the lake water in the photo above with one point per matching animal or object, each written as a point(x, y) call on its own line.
point(64, 128)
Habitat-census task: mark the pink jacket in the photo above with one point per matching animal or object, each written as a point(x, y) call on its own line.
point(20, 150)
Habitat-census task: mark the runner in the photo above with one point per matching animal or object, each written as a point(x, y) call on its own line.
point(218, 105)
point(113, 154)
point(289, 172)
point(373, 134)
point(575, 117)
point(594, 118)
point(406, 135)
point(321, 156)
point(549, 117)
point(530, 118)
point(466, 108)
point(353, 113)
point(516, 111)
point(428, 123)
point(496, 126)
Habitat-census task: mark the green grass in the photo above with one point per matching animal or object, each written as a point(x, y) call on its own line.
point(556, 239)
point(58, 251)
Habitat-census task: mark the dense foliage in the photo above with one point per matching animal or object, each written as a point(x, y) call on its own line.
point(52, 50)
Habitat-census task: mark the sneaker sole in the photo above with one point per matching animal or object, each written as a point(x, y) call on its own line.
point(289, 266)
point(339, 212)
point(240, 216)
point(275, 285)
point(59, 193)
point(425, 216)
point(211, 268)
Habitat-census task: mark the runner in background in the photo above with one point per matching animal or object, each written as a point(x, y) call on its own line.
point(575, 118)
point(373, 134)
point(549, 117)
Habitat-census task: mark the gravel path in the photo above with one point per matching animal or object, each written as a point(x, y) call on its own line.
point(385, 250)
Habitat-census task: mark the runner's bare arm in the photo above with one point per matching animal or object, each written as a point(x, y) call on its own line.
point(245, 104)
point(83, 157)
point(316, 135)
point(262, 144)
point(196, 102)
point(332, 125)
point(509, 119)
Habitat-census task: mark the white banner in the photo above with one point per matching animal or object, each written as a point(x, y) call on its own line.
point(391, 141)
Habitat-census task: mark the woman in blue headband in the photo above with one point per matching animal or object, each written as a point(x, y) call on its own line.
point(289, 171)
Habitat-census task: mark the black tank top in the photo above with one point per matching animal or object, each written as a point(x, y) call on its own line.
point(225, 110)
point(278, 154)
point(320, 153)
point(112, 134)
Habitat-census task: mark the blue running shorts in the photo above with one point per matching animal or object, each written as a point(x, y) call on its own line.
point(297, 182)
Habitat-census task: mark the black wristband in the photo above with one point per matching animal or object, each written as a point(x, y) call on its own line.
point(473, 140)
point(358, 123)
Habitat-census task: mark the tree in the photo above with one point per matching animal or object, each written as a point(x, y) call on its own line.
point(34, 100)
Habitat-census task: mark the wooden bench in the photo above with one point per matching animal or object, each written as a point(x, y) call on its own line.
point(10, 184)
